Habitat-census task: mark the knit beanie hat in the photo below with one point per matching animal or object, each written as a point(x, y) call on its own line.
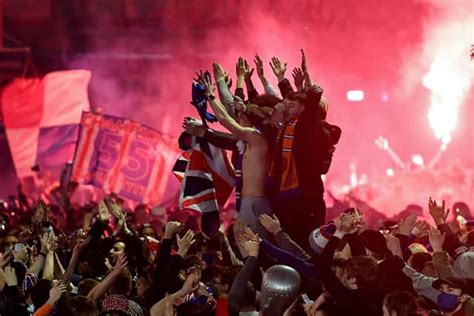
point(319, 237)
point(374, 241)
point(464, 265)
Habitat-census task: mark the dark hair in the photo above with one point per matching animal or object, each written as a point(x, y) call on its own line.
point(83, 305)
point(364, 269)
point(192, 261)
point(266, 100)
point(403, 303)
point(121, 285)
point(85, 286)
point(419, 260)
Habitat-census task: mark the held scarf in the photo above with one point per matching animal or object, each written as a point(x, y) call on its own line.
point(283, 168)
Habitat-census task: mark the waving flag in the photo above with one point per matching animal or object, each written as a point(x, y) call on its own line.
point(123, 157)
point(207, 177)
point(42, 117)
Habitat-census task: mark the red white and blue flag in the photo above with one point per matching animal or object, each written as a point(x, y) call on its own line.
point(207, 177)
point(124, 157)
point(42, 117)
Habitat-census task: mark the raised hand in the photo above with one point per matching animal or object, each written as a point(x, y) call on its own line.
point(298, 78)
point(8, 275)
point(5, 258)
point(199, 75)
point(420, 229)
point(48, 242)
point(438, 212)
point(191, 284)
point(304, 68)
point(436, 239)
point(407, 224)
point(251, 247)
point(56, 292)
point(171, 228)
point(120, 264)
point(104, 213)
point(80, 245)
point(347, 223)
point(242, 69)
point(193, 127)
point(206, 81)
point(271, 224)
point(259, 64)
point(185, 243)
point(115, 209)
point(393, 244)
point(278, 68)
point(219, 72)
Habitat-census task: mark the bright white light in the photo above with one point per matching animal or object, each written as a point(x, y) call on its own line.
point(449, 78)
point(384, 97)
point(390, 172)
point(355, 95)
point(417, 160)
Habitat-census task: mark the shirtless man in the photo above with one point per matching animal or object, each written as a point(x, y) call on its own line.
point(256, 161)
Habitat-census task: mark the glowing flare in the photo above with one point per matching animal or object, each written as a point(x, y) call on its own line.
point(449, 81)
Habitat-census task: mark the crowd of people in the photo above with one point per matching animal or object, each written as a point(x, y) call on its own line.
point(278, 256)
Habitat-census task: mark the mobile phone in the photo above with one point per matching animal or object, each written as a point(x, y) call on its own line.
point(306, 299)
point(18, 247)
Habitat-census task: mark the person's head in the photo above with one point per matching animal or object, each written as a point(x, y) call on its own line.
point(85, 286)
point(419, 260)
point(147, 231)
point(360, 272)
point(215, 276)
point(142, 214)
point(122, 284)
point(143, 283)
point(9, 242)
point(117, 249)
point(338, 266)
point(453, 293)
point(83, 305)
point(374, 243)
point(21, 253)
point(464, 265)
point(461, 208)
point(399, 304)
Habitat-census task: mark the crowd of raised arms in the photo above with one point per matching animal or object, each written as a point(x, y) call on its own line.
point(278, 255)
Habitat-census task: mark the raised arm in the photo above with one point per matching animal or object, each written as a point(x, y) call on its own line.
point(238, 289)
point(216, 138)
point(245, 133)
point(76, 251)
point(279, 70)
point(225, 95)
point(304, 67)
point(261, 75)
point(99, 290)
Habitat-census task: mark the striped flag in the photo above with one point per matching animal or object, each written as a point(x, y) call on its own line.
point(207, 177)
point(123, 157)
point(42, 117)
